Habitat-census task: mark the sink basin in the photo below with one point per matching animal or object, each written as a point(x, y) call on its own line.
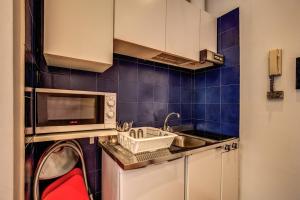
point(189, 142)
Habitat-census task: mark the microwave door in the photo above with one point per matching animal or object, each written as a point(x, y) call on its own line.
point(69, 110)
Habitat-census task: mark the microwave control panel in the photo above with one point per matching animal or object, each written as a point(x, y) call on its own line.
point(110, 109)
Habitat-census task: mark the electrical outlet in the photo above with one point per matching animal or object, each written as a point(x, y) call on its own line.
point(92, 140)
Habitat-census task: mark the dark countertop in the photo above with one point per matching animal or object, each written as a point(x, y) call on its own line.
point(128, 161)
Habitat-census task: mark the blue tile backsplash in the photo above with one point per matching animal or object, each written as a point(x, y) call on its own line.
point(216, 91)
point(147, 91)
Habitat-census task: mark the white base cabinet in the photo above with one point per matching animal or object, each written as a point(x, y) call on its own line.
point(213, 175)
point(155, 182)
point(230, 175)
point(204, 175)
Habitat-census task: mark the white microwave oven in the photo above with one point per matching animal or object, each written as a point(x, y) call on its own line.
point(56, 110)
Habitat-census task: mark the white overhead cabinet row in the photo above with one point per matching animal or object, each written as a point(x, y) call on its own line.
point(85, 35)
point(167, 31)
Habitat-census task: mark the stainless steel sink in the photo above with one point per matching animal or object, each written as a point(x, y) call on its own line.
point(185, 141)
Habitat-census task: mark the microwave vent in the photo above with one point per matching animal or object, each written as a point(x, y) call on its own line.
point(167, 58)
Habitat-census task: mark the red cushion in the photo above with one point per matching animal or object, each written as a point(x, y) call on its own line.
point(68, 187)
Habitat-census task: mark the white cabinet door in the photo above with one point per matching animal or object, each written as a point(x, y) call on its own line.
point(141, 22)
point(79, 33)
point(110, 178)
point(208, 32)
point(156, 182)
point(182, 29)
point(204, 175)
point(230, 172)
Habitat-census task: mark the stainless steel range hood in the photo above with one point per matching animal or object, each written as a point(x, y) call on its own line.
point(207, 58)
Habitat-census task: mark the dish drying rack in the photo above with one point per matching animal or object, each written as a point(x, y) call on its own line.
point(145, 139)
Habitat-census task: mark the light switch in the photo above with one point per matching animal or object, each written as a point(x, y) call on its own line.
point(275, 62)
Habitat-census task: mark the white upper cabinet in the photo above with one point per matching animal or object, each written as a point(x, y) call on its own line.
point(208, 32)
point(183, 29)
point(141, 22)
point(79, 34)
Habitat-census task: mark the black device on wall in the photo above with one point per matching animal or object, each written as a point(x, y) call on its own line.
point(298, 73)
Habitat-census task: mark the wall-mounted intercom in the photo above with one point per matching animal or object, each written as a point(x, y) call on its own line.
point(275, 69)
point(298, 73)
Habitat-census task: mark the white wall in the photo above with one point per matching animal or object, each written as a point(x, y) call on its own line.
point(220, 7)
point(6, 99)
point(270, 130)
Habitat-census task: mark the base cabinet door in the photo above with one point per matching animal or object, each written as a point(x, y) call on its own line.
point(230, 172)
point(204, 175)
point(156, 182)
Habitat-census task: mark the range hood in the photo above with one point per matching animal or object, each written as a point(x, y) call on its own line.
point(209, 58)
point(134, 50)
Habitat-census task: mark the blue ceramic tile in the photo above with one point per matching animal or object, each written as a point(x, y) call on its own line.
point(91, 180)
point(62, 81)
point(232, 56)
point(230, 94)
point(200, 125)
point(161, 65)
point(186, 111)
point(174, 122)
point(230, 38)
point(146, 62)
point(29, 74)
point(128, 71)
point(174, 78)
point(230, 129)
point(186, 80)
point(159, 124)
point(59, 70)
point(200, 80)
point(161, 77)
point(83, 80)
point(112, 72)
point(160, 111)
point(213, 78)
point(212, 95)
point(199, 111)
point(230, 75)
point(110, 85)
point(127, 112)
point(199, 95)
point(125, 58)
point(128, 91)
point(143, 124)
point(161, 94)
point(145, 112)
point(213, 127)
point(212, 112)
point(174, 94)
point(45, 80)
point(146, 74)
point(229, 20)
point(186, 95)
point(230, 113)
point(146, 92)
point(187, 122)
point(174, 107)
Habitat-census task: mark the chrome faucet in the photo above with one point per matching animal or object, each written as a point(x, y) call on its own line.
point(166, 127)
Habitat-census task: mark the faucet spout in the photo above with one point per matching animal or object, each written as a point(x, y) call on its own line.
point(166, 127)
